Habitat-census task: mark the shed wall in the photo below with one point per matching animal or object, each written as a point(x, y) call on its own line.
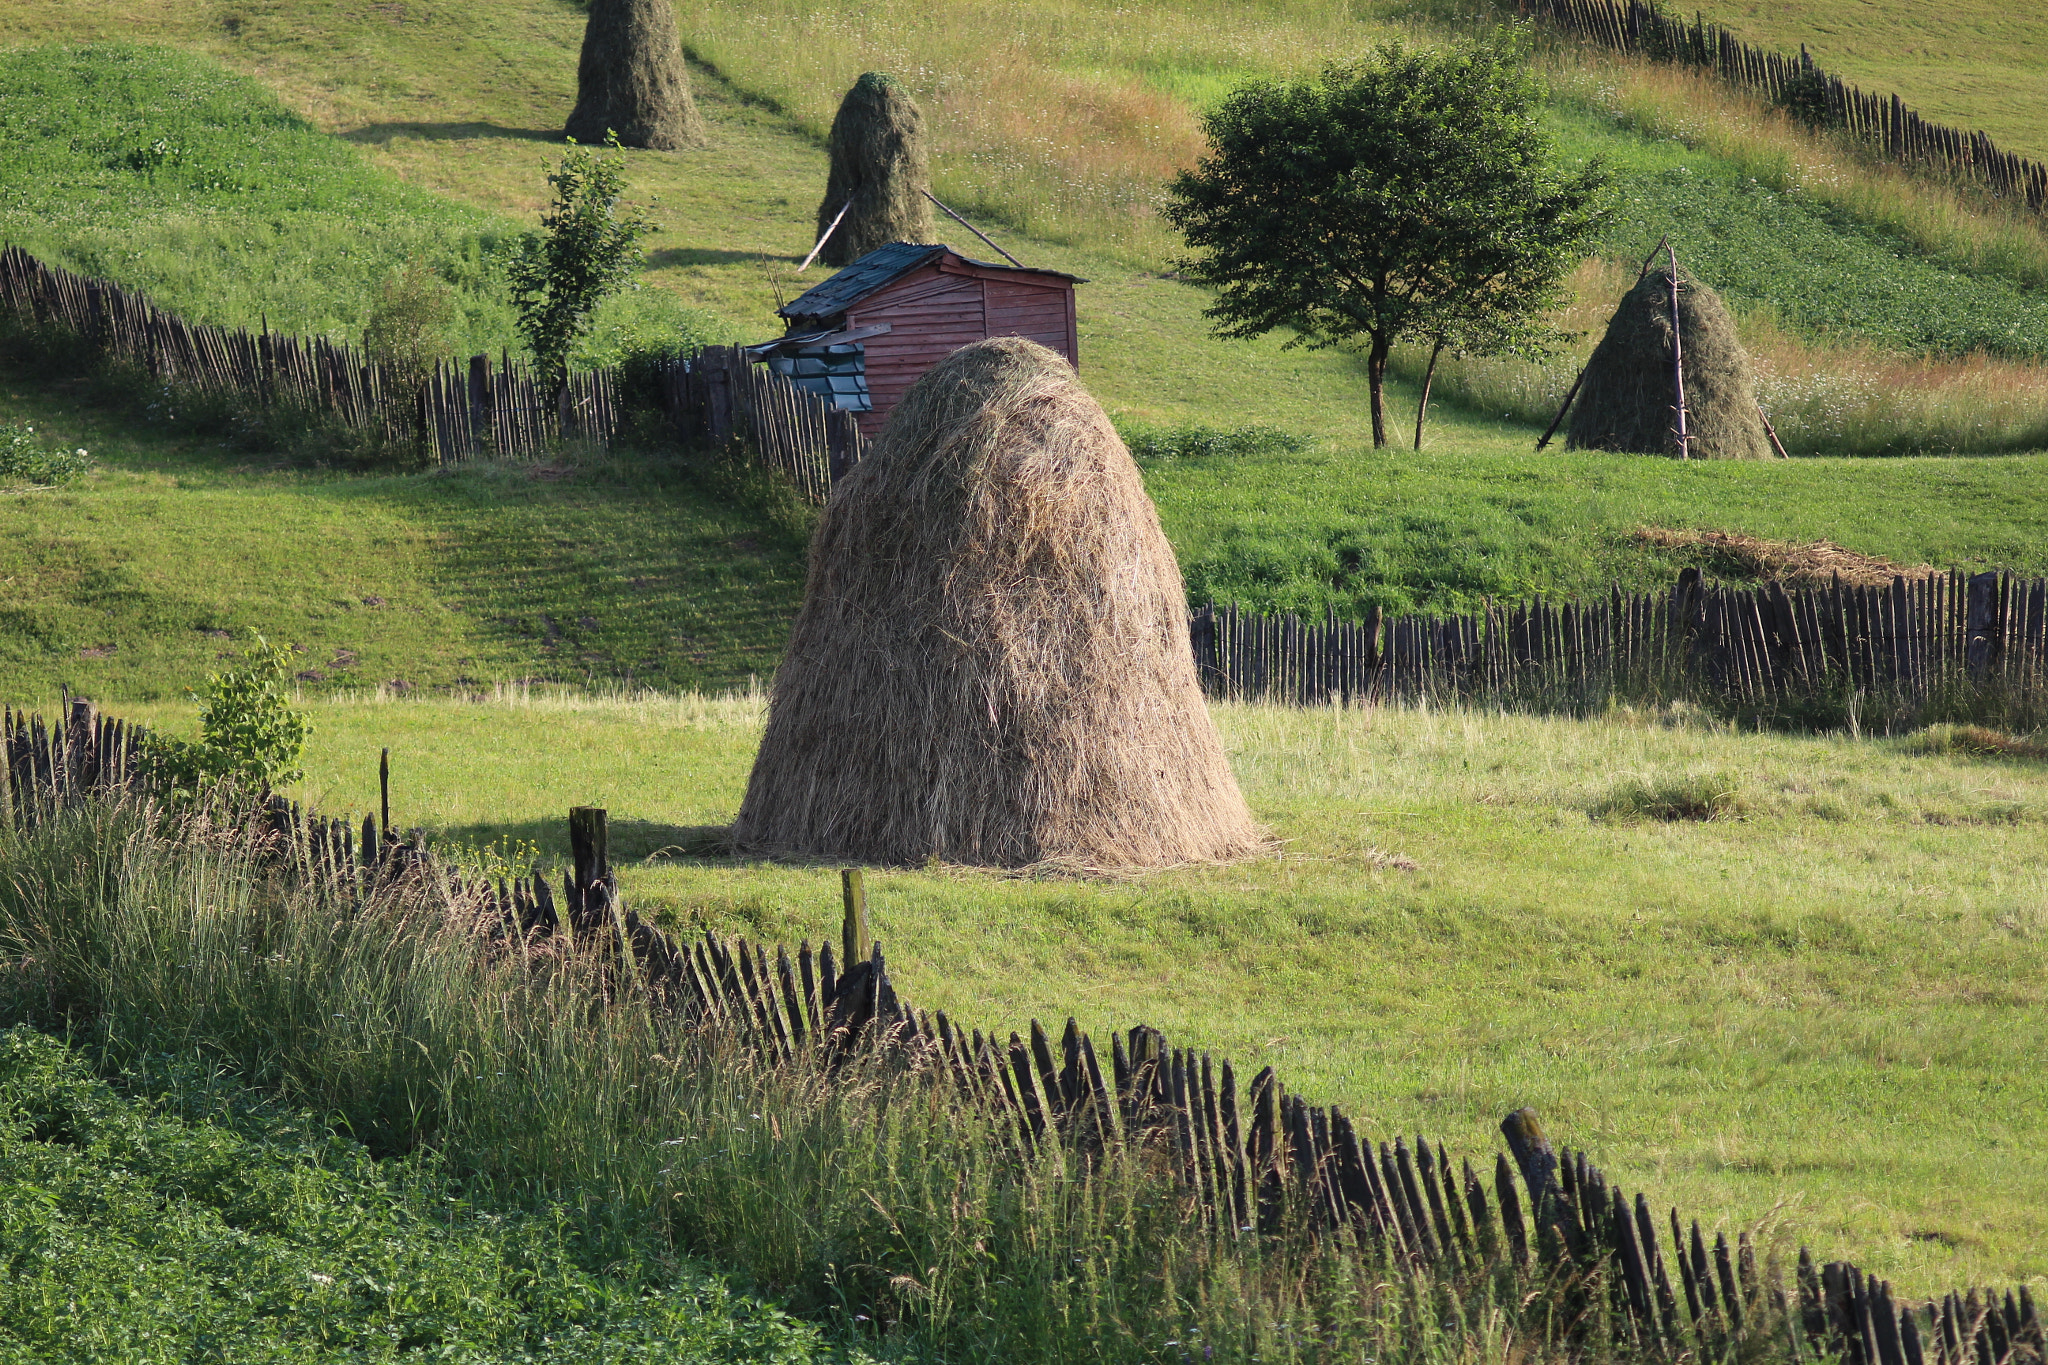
point(935, 310)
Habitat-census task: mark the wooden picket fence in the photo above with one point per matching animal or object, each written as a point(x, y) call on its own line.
point(1881, 122)
point(1253, 1160)
point(482, 409)
point(1942, 646)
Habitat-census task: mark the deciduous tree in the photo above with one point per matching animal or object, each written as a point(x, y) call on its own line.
point(1411, 196)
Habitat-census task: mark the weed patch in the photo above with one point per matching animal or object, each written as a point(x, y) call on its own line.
point(1689, 796)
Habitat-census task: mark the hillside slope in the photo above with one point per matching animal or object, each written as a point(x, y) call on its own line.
point(1978, 64)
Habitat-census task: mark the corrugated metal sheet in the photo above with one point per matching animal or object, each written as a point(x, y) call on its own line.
point(836, 373)
point(855, 282)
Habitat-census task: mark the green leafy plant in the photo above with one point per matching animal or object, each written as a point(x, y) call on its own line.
point(30, 458)
point(250, 734)
point(588, 251)
point(410, 322)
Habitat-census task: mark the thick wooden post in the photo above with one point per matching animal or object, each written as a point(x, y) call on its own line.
point(589, 845)
point(856, 943)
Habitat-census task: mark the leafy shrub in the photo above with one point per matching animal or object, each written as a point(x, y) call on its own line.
point(28, 458)
point(1194, 442)
point(249, 732)
point(590, 252)
point(410, 324)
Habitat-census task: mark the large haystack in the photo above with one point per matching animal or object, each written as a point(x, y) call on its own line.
point(880, 172)
point(631, 79)
point(991, 665)
point(1626, 399)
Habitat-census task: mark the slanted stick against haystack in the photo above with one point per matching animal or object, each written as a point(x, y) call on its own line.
point(877, 190)
point(991, 665)
point(631, 79)
point(1629, 397)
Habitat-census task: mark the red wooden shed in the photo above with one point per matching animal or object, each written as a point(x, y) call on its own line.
point(863, 336)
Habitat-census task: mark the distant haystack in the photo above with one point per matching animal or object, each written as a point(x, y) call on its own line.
point(1626, 400)
point(880, 172)
point(992, 665)
point(631, 79)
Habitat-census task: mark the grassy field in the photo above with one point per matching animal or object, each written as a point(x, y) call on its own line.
point(1807, 1012)
point(133, 582)
point(1976, 64)
point(190, 1218)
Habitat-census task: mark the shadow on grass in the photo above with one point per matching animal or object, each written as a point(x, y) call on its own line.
point(632, 840)
point(378, 134)
point(690, 255)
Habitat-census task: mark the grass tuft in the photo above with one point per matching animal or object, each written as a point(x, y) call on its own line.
point(1686, 796)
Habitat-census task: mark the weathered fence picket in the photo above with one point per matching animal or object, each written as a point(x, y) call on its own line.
point(1938, 643)
point(1881, 122)
point(474, 410)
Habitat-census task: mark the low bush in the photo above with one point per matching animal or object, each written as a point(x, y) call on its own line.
point(1196, 442)
point(30, 458)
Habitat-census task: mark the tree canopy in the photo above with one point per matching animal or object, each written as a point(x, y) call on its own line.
point(1410, 196)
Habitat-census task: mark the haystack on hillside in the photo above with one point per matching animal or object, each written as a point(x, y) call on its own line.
point(991, 665)
point(880, 172)
point(1626, 400)
point(631, 79)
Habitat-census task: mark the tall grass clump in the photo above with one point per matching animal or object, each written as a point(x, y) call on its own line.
point(860, 1192)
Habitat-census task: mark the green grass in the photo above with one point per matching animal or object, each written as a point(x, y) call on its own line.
point(132, 581)
point(187, 1218)
point(1975, 63)
point(1448, 529)
point(1812, 1009)
point(1819, 271)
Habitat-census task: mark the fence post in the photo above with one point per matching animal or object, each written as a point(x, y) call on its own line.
point(856, 943)
point(589, 892)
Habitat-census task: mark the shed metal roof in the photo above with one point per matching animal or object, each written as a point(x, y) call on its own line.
point(878, 268)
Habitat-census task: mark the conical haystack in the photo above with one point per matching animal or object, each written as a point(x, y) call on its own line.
point(1627, 399)
point(631, 79)
point(880, 172)
point(992, 665)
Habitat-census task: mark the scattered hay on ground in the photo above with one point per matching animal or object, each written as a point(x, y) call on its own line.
point(880, 172)
point(1732, 555)
point(631, 79)
point(1981, 742)
point(1627, 400)
point(991, 665)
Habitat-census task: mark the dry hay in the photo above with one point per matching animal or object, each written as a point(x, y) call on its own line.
point(991, 666)
point(1731, 554)
point(631, 79)
point(880, 164)
point(1627, 402)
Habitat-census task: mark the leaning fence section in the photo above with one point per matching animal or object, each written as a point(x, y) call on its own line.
point(1937, 645)
point(484, 408)
point(1881, 122)
point(1251, 1159)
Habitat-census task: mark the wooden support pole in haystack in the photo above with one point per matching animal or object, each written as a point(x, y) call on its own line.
point(825, 236)
point(975, 230)
point(1678, 358)
point(1663, 244)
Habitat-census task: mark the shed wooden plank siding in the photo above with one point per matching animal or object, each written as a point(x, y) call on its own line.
point(940, 304)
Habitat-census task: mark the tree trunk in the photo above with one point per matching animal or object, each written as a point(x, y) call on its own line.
point(1428, 378)
point(1376, 380)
